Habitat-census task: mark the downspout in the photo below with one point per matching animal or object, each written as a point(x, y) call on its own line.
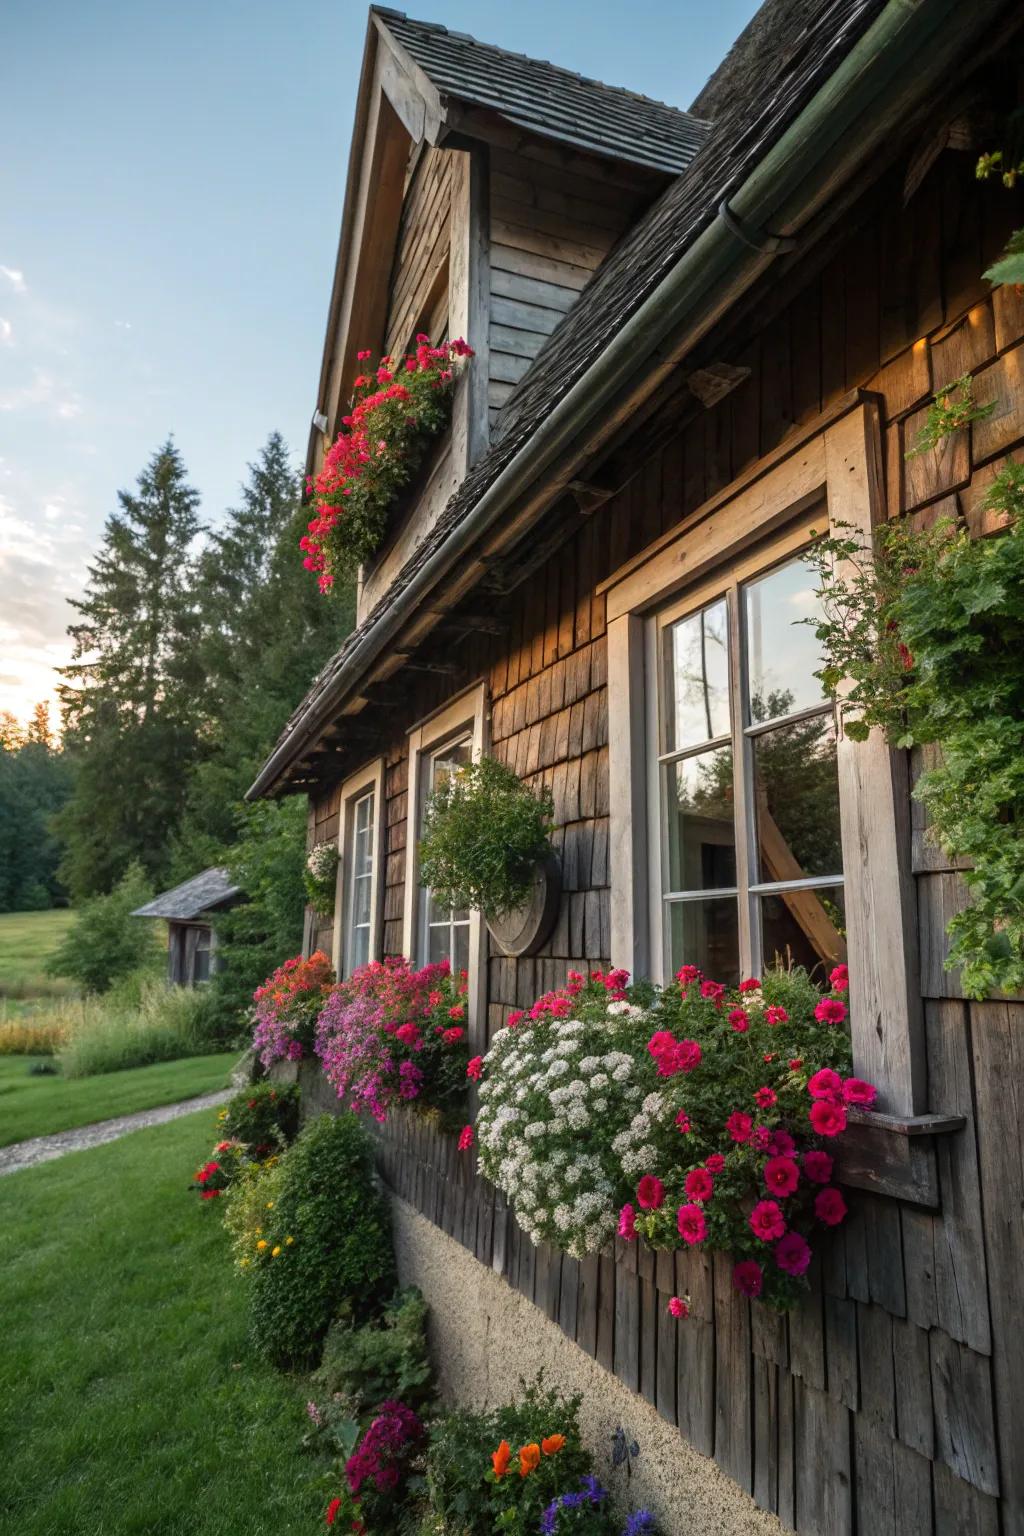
point(908, 50)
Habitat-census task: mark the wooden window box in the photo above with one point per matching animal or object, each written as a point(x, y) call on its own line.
point(894, 1154)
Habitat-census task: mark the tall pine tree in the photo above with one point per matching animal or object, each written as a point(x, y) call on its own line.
point(133, 701)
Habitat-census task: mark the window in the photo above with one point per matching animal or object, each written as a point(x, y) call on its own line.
point(444, 932)
point(747, 796)
point(357, 927)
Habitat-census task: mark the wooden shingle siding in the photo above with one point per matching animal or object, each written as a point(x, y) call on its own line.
point(419, 277)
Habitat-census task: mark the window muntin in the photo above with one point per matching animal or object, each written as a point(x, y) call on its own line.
point(359, 905)
point(444, 932)
point(748, 797)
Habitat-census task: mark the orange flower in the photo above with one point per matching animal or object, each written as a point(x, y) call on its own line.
point(500, 1459)
point(529, 1457)
point(552, 1444)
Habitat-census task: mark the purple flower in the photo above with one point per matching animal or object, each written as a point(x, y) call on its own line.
point(639, 1523)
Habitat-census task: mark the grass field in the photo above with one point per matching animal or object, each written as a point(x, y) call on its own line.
point(38, 1106)
point(130, 1401)
point(26, 941)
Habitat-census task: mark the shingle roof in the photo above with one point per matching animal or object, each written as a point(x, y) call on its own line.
point(213, 888)
point(545, 99)
point(808, 43)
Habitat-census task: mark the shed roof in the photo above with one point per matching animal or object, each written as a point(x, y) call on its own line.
point(806, 44)
point(203, 893)
point(545, 99)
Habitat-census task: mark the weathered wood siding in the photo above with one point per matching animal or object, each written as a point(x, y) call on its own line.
point(418, 294)
point(549, 233)
point(890, 1401)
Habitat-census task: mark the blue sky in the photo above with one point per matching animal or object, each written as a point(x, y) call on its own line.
point(171, 187)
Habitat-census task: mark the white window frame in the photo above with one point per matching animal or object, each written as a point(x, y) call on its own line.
point(467, 714)
point(367, 780)
point(830, 470)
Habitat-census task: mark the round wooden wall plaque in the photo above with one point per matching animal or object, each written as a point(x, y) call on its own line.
point(523, 931)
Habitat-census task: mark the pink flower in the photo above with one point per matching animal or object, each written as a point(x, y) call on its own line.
point(474, 1068)
point(830, 1011)
point(516, 1017)
point(457, 1011)
point(452, 1036)
point(713, 990)
point(825, 1084)
point(857, 1091)
point(699, 1185)
point(408, 1034)
point(817, 1167)
point(465, 1138)
point(767, 1221)
point(715, 1163)
point(650, 1192)
point(739, 1126)
point(692, 1224)
point(829, 1207)
point(828, 1119)
point(686, 974)
point(781, 1175)
point(747, 1277)
point(677, 1307)
point(683, 1122)
point(740, 1020)
point(627, 1223)
point(796, 1062)
point(750, 985)
point(782, 1144)
point(761, 1138)
point(840, 978)
point(765, 1097)
point(661, 1041)
point(774, 1015)
point(792, 1254)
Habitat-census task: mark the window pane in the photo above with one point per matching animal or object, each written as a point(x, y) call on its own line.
point(700, 825)
point(796, 791)
point(460, 952)
point(361, 899)
point(706, 933)
point(804, 928)
point(782, 654)
point(447, 760)
point(697, 683)
point(438, 942)
point(360, 947)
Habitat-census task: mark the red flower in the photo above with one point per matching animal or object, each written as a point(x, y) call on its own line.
point(840, 978)
point(408, 1034)
point(332, 1511)
point(767, 1221)
point(792, 1254)
point(713, 990)
point(782, 1144)
point(828, 1119)
point(715, 1163)
point(677, 1307)
point(781, 1175)
point(857, 1091)
point(775, 1015)
point(650, 1192)
point(465, 1138)
point(796, 1063)
point(765, 1097)
point(750, 985)
point(683, 1122)
point(452, 1036)
point(817, 1167)
point(739, 1126)
point(829, 1207)
point(747, 1277)
point(830, 1011)
point(699, 1185)
point(474, 1068)
point(457, 1011)
point(627, 1223)
point(692, 1224)
point(825, 1084)
point(739, 1020)
point(686, 974)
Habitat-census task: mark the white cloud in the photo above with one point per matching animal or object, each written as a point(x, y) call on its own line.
point(122, 325)
point(42, 392)
point(6, 333)
point(15, 278)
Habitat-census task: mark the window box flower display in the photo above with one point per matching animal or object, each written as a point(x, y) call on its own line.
point(397, 410)
point(287, 1006)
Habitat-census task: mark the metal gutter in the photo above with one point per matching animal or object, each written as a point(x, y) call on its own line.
point(905, 53)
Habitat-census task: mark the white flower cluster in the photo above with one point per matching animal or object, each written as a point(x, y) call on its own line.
point(632, 1146)
point(322, 861)
point(555, 1093)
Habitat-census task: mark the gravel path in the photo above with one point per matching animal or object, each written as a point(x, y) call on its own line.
point(43, 1149)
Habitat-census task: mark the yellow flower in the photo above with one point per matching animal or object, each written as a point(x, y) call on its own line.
point(261, 1244)
point(259, 1231)
point(244, 1263)
point(270, 1205)
point(288, 1241)
point(275, 1251)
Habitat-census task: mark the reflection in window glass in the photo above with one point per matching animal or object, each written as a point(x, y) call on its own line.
point(700, 825)
point(805, 928)
point(361, 886)
point(706, 934)
point(796, 792)
point(447, 930)
point(782, 653)
point(697, 695)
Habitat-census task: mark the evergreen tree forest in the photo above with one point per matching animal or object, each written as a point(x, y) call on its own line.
point(192, 644)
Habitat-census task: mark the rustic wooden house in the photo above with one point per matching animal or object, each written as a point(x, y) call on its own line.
point(698, 336)
point(188, 910)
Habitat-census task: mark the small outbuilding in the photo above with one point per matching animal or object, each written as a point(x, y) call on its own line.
point(188, 910)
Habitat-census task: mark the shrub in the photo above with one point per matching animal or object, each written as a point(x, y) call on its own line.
point(385, 1358)
point(484, 834)
point(703, 1113)
point(377, 1472)
point(105, 943)
point(30, 1037)
point(287, 1006)
point(251, 1193)
point(390, 1034)
point(326, 1241)
point(265, 1116)
point(106, 1034)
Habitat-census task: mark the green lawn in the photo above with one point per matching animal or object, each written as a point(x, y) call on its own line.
point(132, 1401)
point(26, 940)
point(38, 1106)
